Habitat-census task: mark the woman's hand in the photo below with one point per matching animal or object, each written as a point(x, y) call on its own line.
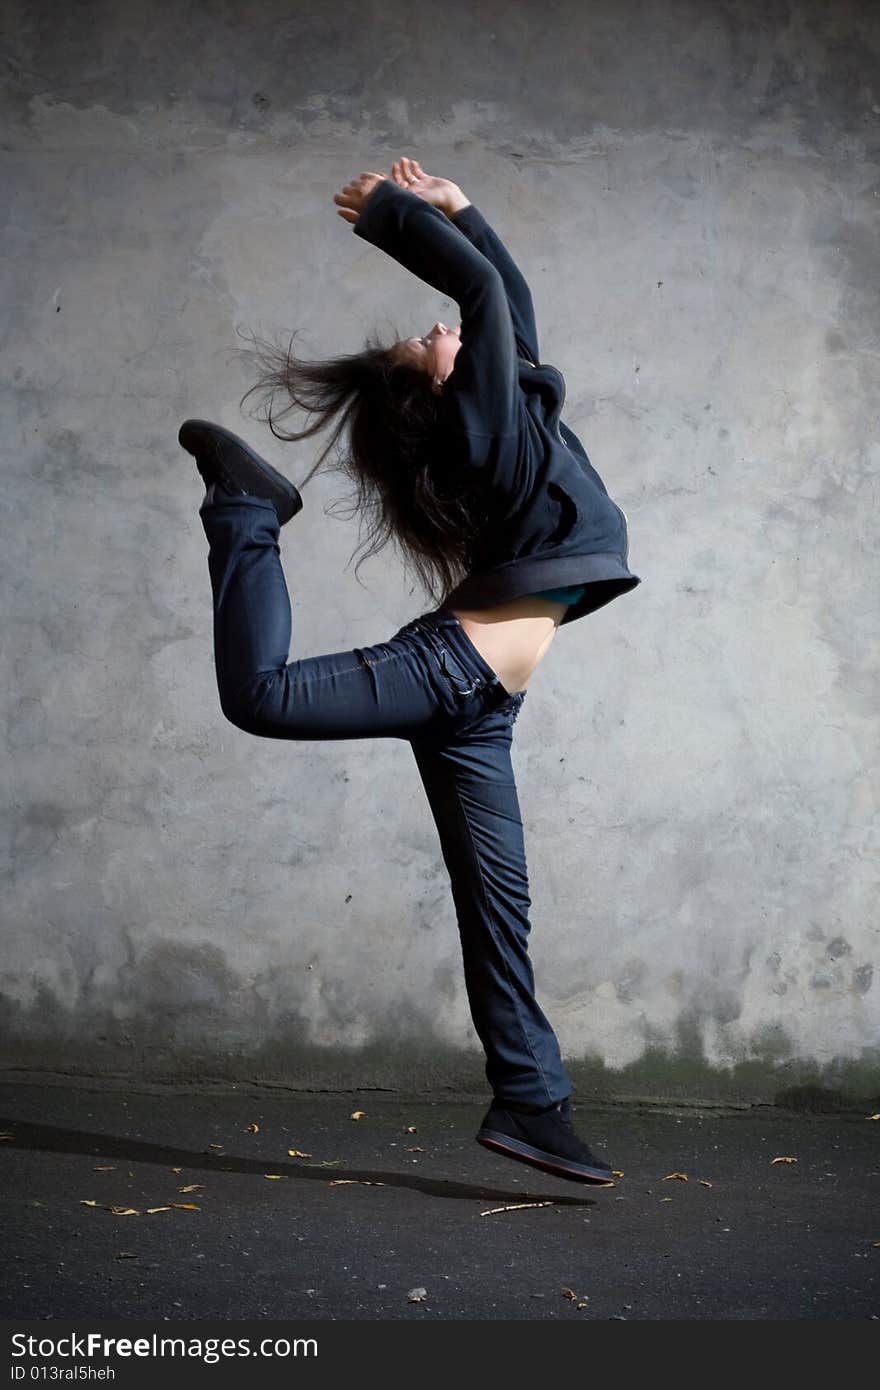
point(440, 193)
point(354, 195)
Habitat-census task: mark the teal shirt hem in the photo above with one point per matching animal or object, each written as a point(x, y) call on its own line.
point(570, 594)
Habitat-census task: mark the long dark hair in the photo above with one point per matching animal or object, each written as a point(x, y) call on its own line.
point(384, 419)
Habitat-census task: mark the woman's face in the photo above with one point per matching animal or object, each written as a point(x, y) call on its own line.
point(434, 354)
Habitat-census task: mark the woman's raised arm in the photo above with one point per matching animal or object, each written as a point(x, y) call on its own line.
point(449, 198)
point(480, 234)
point(481, 399)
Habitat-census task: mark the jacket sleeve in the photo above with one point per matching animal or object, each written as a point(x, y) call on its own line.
point(481, 397)
point(478, 231)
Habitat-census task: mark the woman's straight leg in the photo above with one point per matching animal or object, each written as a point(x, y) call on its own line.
point(471, 788)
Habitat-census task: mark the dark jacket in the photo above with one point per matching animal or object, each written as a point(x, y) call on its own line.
point(553, 522)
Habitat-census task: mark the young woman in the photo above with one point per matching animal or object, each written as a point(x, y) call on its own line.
point(457, 448)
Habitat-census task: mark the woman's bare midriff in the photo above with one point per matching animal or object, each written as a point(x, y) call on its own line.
point(513, 638)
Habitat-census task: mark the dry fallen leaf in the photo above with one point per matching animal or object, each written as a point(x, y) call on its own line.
point(411, 1129)
point(665, 1199)
point(703, 1183)
point(297, 1153)
point(125, 1255)
point(273, 1175)
point(417, 1295)
point(191, 1187)
point(177, 1170)
point(151, 1211)
point(215, 1146)
point(416, 1149)
point(252, 1129)
point(358, 1114)
point(782, 1159)
point(579, 1299)
point(105, 1168)
point(185, 1206)
point(113, 1207)
point(683, 1177)
point(515, 1206)
point(359, 1182)
point(616, 1173)
point(867, 1117)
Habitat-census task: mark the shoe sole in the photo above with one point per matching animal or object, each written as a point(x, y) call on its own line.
point(282, 493)
point(538, 1158)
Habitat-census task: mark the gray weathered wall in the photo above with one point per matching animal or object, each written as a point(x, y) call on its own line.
point(693, 192)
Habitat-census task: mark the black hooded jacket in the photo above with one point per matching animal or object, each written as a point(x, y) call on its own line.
point(553, 523)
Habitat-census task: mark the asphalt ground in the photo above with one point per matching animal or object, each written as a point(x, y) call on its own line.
point(402, 1200)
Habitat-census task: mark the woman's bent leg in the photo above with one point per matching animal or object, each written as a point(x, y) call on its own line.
point(472, 791)
point(426, 681)
point(376, 691)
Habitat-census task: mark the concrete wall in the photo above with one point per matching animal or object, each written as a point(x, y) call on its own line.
point(693, 192)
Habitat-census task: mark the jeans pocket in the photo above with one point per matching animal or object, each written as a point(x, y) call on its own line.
point(468, 694)
point(462, 683)
point(452, 671)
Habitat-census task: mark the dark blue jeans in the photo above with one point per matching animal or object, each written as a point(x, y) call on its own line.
point(430, 686)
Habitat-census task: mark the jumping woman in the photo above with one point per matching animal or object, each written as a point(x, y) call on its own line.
point(456, 444)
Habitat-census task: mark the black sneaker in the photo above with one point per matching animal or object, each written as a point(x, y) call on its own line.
point(546, 1140)
point(221, 457)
